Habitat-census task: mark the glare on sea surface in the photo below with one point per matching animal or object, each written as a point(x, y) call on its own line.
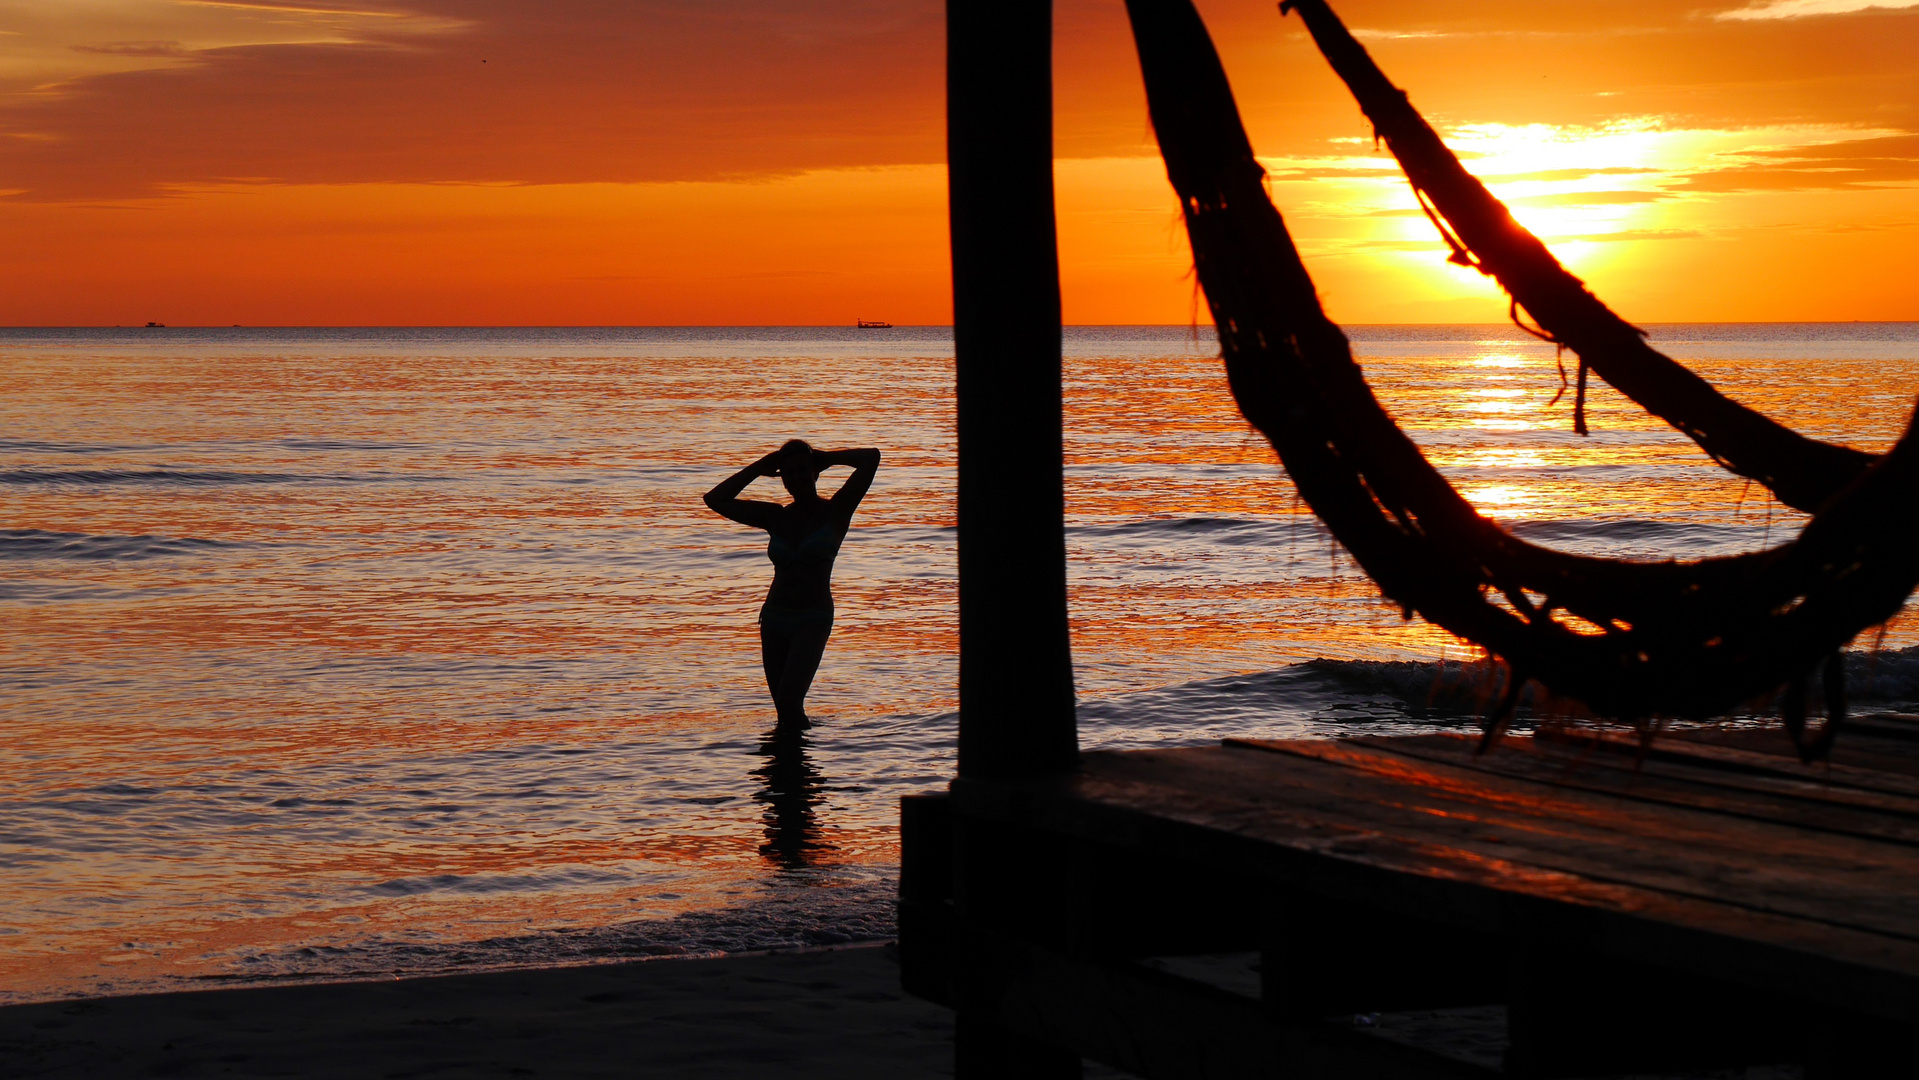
point(1504, 501)
point(1498, 409)
point(1504, 457)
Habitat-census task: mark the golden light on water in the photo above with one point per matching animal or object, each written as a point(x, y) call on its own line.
point(1500, 457)
point(1498, 407)
point(1502, 500)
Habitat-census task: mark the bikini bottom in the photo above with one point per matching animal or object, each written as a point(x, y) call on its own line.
point(788, 621)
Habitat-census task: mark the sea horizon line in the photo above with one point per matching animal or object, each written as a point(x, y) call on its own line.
point(53, 327)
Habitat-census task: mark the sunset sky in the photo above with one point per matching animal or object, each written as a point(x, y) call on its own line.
point(751, 161)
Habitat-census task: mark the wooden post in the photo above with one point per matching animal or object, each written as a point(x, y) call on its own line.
point(1016, 665)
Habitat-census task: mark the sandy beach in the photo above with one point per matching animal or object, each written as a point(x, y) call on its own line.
point(827, 1013)
point(831, 1014)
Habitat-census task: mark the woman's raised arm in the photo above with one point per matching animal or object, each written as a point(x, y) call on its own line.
point(725, 500)
point(865, 463)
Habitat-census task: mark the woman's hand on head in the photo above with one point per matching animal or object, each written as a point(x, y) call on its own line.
point(768, 465)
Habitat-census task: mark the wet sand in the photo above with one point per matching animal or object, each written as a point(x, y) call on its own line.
point(828, 1013)
point(831, 1014)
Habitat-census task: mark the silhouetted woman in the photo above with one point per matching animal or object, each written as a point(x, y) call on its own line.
point(805, 536)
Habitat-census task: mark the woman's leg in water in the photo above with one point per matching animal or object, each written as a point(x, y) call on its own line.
point(791, 659)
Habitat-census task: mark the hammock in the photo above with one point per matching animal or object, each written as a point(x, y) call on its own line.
point(1802, 473)
point(1633, 640)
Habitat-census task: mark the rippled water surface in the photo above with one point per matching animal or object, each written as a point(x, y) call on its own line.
point(336, 652)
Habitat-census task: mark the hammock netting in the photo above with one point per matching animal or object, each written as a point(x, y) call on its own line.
point(1630, 640)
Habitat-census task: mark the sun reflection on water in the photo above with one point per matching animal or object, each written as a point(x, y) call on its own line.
point(1503, 500)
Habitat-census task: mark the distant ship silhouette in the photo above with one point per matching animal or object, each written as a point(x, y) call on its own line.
point(872, 324)
point(158, 324)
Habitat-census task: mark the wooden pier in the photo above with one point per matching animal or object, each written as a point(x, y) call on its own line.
point(1573, 908)
point(1355, 908)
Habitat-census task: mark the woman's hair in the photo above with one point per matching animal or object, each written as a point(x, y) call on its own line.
point(799, 450)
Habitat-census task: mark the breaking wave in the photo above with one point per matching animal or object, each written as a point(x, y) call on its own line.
point(1344, 697)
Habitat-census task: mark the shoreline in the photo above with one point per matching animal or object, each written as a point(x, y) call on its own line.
point(829, 1012)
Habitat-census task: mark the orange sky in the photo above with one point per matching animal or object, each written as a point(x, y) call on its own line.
point(677, 161)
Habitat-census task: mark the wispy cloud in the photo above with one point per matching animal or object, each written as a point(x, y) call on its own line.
point(1566, 174)
point(296, 9)
point(1799, 9)
point(1399, 35)
point(1590, 198)
point(1626, 235)
point(134, 48)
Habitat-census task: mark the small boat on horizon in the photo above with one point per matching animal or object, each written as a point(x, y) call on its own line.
point(872, 324)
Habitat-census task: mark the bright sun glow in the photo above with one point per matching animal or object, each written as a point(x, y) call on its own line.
point(1570, 185)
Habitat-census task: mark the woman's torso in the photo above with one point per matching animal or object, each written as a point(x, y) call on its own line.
point(802, 547)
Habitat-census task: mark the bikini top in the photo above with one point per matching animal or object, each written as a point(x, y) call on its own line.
point(818, 546)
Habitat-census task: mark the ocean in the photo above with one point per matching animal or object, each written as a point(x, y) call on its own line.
point(338, 653)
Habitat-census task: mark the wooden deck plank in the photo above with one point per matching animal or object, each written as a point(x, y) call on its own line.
point(1713, 755)
point(1791, 781)
point(1900, 725)
point(1843, 880)
point(1886, 725)
point(1327, 811)
point(1780, 800)
point(1291, 823)
point(1862, 744)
